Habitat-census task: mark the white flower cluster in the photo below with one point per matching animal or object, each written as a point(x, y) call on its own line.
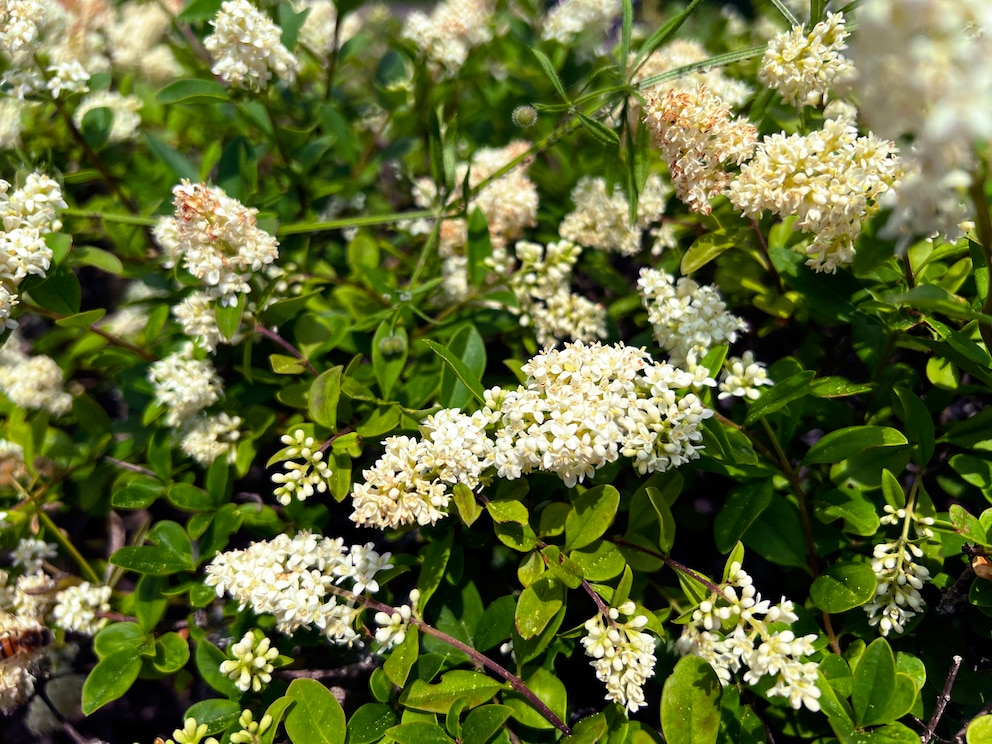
point(830, 179)
point(301, 479)
point(124, 108)
point(623, 655)
point(393, 625)
point(30, 553)
point(66, 78)
point(251, 730)
point(742, 376)
point(570, 19)
point(698, 141)
point(413, 480)
point(208, 437)
point(733, 631)
point(602, 221)
point(19, 29)
point(688, 318)
point(217, 239)
point(33, 595)
point(77, 608)
point(450, 32)
point(317, 31)
point(581, 408)
point(29, 213)
point(32, 381)
point(585, 406)
point(292, 578)
point(184, 385)
point(197, 314)
point(899, 577)
point(192, 733)
point(803, 66)
point(923, 80)
point(247, 48)
point(137, 40)
point(542, 286)
point(251, 668)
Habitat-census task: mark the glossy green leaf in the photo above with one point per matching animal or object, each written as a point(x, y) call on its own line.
point(537, 605)
point(874, 684)
point(171, 552)
point(843, 586)
point(135, 491)
point(465, 361)
point(690, 703)
point(781, 394)
point(591, 516)
point(316, 717)
point(496, 623)
point(418, 732)
point(851, 505)
point(968, 525)
point(468, 507)
point(81, 320)
point(979, 730)
point(402, 658)
point(711, 244)
point(438, 698)
point(121, 638)
point(483, 723)
point(217, 714)
point(229, 317)
point(852, 440)
point(59, 292)
point(435, 556)
point(109, 680)
point(589, 730)
point(369, 723)
point(188, 497)
point(551, 691)
point(208, 659)
point(743, 506)
point(322, 400)
point(599, 561)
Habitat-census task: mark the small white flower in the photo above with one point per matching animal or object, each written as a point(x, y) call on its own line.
point(251, 668)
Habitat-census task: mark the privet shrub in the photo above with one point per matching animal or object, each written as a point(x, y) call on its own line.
point(500, 373)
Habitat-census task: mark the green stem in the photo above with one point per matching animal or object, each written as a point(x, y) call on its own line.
point(124, 219)
point(67, 545)
point(273, 336)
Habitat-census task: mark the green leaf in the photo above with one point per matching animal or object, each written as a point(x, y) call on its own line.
point(853, 506)
point(98, 258)
point(171, 553)
point(591, 516)
point(468, 348)
point(599, 561)
point(777, 535)
point(549, 70)
point(188, 497)
point(403, 657)
point(322, 400)
point(598, 130)
point(438, 698)
point(178, 163)
point(368, 724)
point(229, 317)
point(418, 732)
point(551, 691)
point(461, 371)
point(853, 440)
point(967, 525)
point(121, 638)
point(435, 560)
point(208, 659)
point(217, 714)
point(109, 680)
point(96, 126)
point(290, 22)
point(507, 510)
point(194, 90)
point(316, 718)
point(589, 730)
point(843, 586)
point(708, 246)
point(465, 501)
point(496, 623)
point(781, 394)
point(81, 320)
point(484, 722)
point(979, 730)
point(389, 366)
point(60, 292)
point(874, 684)
point(479, 247)
point(537, 605)
point(918, 424)
point(283, 364)
point(171, 654)
point(199, 10)
point(690, 703)
point(743, 506)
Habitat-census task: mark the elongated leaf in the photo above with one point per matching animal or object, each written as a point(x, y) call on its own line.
point(780, 395)
point(194, 90)
point(178, 163)
point(690, 703)
point(550, 689)
point(438, 698)
point(549, 70)
point(743, 506)
point(109, 680)
point(853, 440)
point(461, 371)
point(322, 400)
point(874, 683)
point(537, 605)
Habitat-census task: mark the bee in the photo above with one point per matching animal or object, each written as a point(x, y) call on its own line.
point(17, 639)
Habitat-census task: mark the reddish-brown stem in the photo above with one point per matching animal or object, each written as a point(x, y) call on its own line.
point(515, 682)
point(273, 336)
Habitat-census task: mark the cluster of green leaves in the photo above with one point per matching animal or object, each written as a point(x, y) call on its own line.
point(882, 377)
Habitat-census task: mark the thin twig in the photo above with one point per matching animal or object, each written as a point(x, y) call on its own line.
point(273, 336)
point(945, 697)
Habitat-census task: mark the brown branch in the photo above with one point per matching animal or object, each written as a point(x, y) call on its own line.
point(945, 697)
point(273, 336)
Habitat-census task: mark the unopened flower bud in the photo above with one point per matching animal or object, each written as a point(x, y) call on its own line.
point(524, 116)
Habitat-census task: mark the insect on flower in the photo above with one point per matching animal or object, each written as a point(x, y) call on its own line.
point(17, 638)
